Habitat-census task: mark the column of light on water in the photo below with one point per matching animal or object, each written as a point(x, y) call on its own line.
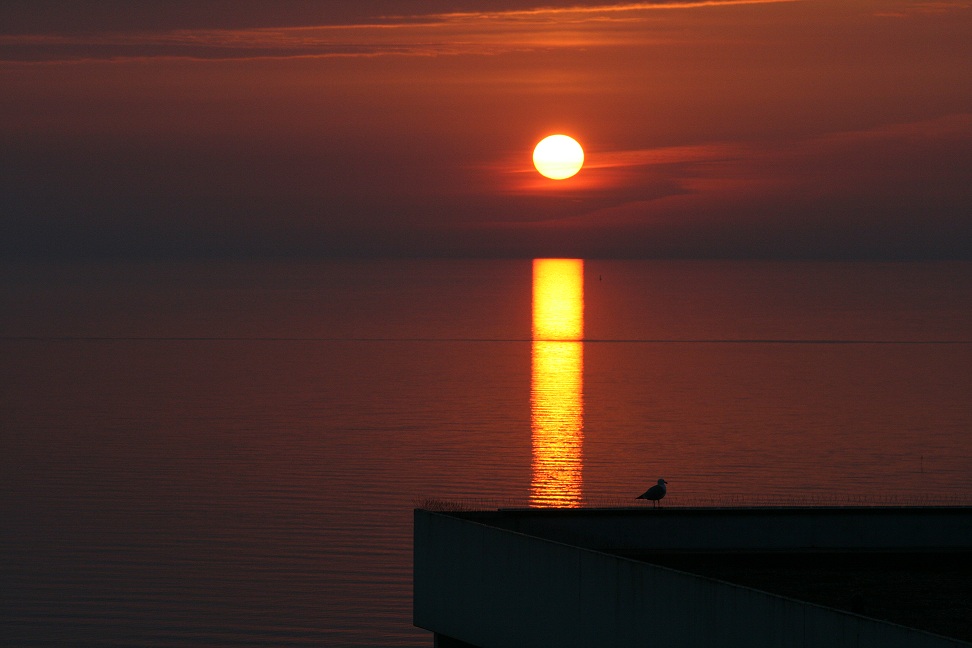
point(557, 382)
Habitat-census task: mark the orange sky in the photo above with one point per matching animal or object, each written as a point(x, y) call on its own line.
point(712, 129)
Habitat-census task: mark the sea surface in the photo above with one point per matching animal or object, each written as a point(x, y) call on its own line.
point(228, 454)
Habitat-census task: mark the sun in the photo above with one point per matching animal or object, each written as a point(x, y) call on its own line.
point(558, 157)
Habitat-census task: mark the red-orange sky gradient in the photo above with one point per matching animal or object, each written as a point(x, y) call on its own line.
point(791, 129)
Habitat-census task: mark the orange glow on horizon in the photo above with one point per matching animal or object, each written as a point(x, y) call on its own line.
point(557, 383)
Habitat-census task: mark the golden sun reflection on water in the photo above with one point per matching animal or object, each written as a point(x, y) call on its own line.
point(557, 383)
point(558, 299)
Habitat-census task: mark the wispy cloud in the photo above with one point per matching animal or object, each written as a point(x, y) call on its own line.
point(440, 34)
point(668, 156)
point(602, 10)
point(852, 172)
point(911, 8)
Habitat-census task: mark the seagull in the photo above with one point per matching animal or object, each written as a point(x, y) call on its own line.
point(655, 493)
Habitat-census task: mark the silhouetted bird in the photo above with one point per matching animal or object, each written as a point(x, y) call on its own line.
point(655, 493)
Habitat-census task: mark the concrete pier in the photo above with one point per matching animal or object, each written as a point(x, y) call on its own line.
point(828, 577)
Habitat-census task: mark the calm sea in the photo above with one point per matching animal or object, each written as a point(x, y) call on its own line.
point(229, 454)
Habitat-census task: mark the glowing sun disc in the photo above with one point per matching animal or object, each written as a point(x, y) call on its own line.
point(558, 157)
